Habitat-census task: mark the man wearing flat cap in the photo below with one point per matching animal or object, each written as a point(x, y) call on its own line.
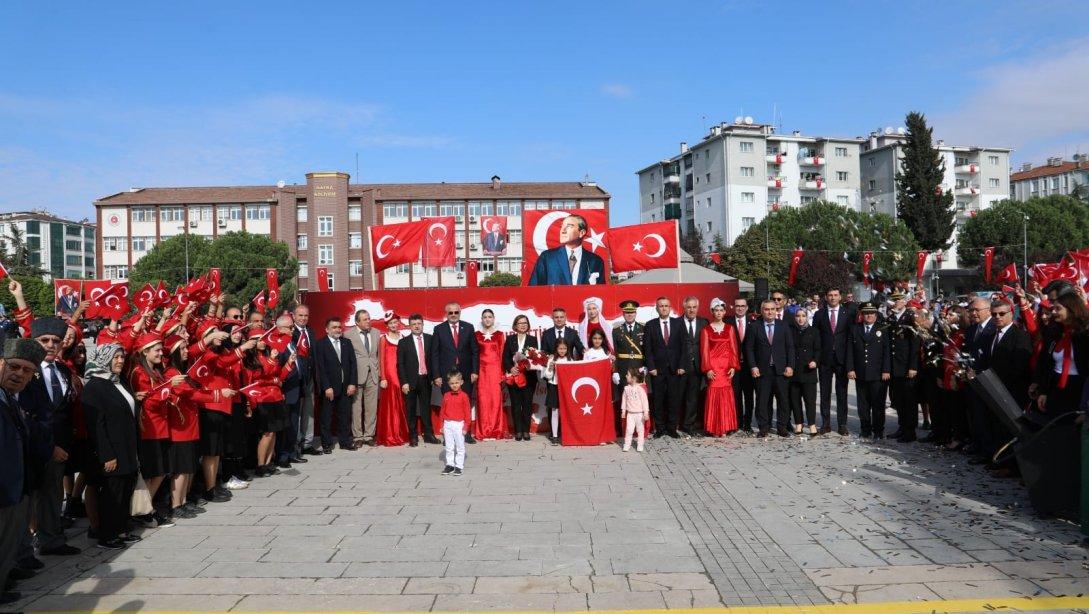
point(627, 338)
point(23, 448)
point(47, 399)
point(869, 364)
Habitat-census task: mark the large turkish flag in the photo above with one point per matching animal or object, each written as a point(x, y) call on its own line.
point(112, 303)
point(394, 244)
point(440, 241)
point(644, 246)
point(541, 231)
point(586, 402)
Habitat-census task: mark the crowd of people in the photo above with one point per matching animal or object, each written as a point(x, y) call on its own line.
point(184, 405)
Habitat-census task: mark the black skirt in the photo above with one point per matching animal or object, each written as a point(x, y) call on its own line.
point(154, 457)
point(184, 457)
point(213, 432)
point(238, 431)
point(270, 417)
point(552, 397)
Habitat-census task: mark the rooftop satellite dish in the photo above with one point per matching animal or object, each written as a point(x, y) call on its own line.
point(738, 119)
point(748, 120)
point(281, 183)
point(901, 130)
point(888, 130)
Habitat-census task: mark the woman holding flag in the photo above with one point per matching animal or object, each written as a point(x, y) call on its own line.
point(151, 385)
point(261, 377)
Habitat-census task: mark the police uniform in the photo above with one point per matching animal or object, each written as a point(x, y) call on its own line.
point(628, 345)
point(869, 357)
point(904, 351)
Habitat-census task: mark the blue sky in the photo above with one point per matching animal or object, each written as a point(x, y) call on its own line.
point(99, 97)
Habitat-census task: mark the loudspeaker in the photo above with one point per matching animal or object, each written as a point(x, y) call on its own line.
point(760, 289)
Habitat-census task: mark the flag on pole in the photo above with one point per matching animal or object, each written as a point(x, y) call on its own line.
point(644, 247)
point(795, 260)
point(988, 261)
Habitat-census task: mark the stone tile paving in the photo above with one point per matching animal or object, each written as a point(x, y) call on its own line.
point(693, 523)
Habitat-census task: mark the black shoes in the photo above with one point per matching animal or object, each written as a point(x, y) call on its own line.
point(297, 459)
point(327, 449)
point(469, 438)
point(284, 464)
point(448, 470)
point(351, 447)
point(518, 437)
point(7, 597)
point(74, 508)
point(132, 538)
point(184, 513)
point(62, 550)
point(674, 434)
point(412, 443)
point(906, 438)
point(111, 544)
point(843, 431)
point(18, 573)
point(783, 432)
point(312, 452)
point(762, 433)
point(431, 439)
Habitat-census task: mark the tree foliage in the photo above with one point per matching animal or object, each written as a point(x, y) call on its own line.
point(241, 257)
point(500, 279)
point(921, 203)
point(16, 258)
point(692, 242)
point(1056, 225)
point(820, 271)
point(821, 227)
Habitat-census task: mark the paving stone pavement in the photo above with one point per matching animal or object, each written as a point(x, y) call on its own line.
point(689, 523)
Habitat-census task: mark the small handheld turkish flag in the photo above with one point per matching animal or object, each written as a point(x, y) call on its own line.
point(304, 346)
point(323, 279)
point(988, 261)
point(1008, 274)
point(795, 260)
point(920, 263)
point(3, 271)
point(257, 392)
point(439, 245)
point(586, 404)
point(111, 304)
point(214, 280)
point(259, 301)
point(162, 295)
point(644, 246)
point(716, 258)
point(395, 244)
point(145, 299)
point(273, 281)
point(200, 370)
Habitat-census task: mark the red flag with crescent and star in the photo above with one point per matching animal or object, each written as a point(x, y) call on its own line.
point(440, 241)
point(111, 303)
point(920, 263)
point(214, 280)
point(471, 269)
point(988, 262)
point(162, 295)
point(541, 231)
point(200, 370)
point(272, 279)
point(867, 260)
point(586, 402)
point(795, 260)
point(323, 279)
point(394, 244)
point(643, 247)
point(260, 301)
point(146, 299)
point(259, 392)
point(493, 235)
point(1008, 274)
point(716, 258)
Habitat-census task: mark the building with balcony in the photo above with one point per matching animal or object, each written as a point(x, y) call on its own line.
point(62, 248)
point(738, 172)
point(324, 222)
point(1055, 177)
point(977, 177)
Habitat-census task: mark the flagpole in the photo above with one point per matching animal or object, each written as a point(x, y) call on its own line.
point(370, 250)
point(677, 240)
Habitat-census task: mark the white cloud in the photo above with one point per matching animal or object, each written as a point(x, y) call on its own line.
point(1033, 105)
point(402, 141)
point(617, 90)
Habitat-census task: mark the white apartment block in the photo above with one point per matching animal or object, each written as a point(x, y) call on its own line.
point(977, 176)
point(62, 248)
point(1057, 177)
point(739, 172)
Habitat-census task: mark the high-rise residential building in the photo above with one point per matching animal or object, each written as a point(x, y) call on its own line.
point(62, 248)
point(977, 176)
point(1055, 177)
point(739, 172)
point(324, 222)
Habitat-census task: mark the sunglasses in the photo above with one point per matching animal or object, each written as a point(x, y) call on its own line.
point(452, 313)
point(1000, 313)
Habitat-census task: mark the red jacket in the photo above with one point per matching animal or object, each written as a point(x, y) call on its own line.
point(455, 407)
point(154, 418)
point(225, 369)
point(184, 414)
point(268, 377)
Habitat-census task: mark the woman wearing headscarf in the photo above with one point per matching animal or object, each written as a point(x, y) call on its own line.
point(491, 420)
point(719, 359)
point(110, 410)
point(593, 321)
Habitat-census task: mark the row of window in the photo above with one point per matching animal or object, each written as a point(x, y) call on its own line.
point(355, 239)
point(1038, 183)
point(201, 213)
point(116, 271)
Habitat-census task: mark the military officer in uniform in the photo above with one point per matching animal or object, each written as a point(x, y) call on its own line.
point(869, 364)
point(904, 351)
point(628, 345)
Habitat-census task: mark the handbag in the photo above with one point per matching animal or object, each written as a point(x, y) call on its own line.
point(141, 499)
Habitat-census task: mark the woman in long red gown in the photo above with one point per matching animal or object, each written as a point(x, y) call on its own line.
point(391, 427)
point(491, 420)
point(719, 356)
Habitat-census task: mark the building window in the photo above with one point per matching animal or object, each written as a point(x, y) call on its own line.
point(301, 214)
point(142, 244)
point(808, 199)
point(71, 260)
point(115, 244)
point(873, 162)
point(304, 269)
point(72, 231)
point(73, 246)
point(707, 178)
point(355, 213)
point(355, 240)
point(993, 182)
point(171, 214)
point(841, 175)
point(325, 254)
point(748, 197)
point(200, 213)
point(300, 242)
point(843, 200)
point(325, 225)
point(230, 212)
point(143, 214)
point(1054, 183)
point(841, 152)
point(424, 208)
point(708, 226)
point(993, 160)
point(748, 171)
point(534, 205)
point(402, 268)
point(257, 212)
point(960, 161)
point(355, 267)
point(873, 184)
point(747, 223)
point(455, 208)
point(746, 146)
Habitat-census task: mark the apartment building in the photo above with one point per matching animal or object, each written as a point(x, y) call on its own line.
point(742, 170)
point(1055, 177)
point(63, 248)
point(324, 222)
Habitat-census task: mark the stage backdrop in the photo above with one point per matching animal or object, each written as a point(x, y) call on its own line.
point(535, 302)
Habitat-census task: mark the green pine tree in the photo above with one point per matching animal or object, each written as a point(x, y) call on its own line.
point(924, 207)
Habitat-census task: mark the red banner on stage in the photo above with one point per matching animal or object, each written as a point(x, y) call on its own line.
point(586, 402)
point(541, 232)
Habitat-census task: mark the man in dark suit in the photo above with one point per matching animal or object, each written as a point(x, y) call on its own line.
point(1011, 351)
point(494, 242)
point(769, 351)
point(413, 354)
point(569, 264)
point(904, 351)
point(48, 398)
point(337, 373)
point(978, 342)
point(301, 429)
point(691, 383)
point(560, 330)
point(663, 347)
point(869, 363)
point(286, 450)
point(628, 344)
point(455, 347)
point(833, 323)
point(743, 382)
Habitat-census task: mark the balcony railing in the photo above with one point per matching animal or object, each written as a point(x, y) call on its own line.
point(774, 158)
point(674, 178)
point(775, 182)
point(967, 190)
point(967, 169)
point(673, 212)
point(812, 184)
point(672, 200)
point(805, 159)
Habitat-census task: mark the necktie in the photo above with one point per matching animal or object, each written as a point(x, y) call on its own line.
point(54, 384)
point(997, 338)
point(420, 354)
point(691, 329)
point(367, 342)
point(867, 329)
point(665, 331)
point(832, 319)
point(741, 329)
point(629, 329)
point(771, 332)
point(571, 260)
point(454, 332)
point(336, 347)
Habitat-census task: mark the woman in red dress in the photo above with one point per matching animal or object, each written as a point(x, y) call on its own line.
point(491, 420)
point(391, 427)
point(719, 356)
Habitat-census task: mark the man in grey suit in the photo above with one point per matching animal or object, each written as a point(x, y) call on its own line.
point(364, 340)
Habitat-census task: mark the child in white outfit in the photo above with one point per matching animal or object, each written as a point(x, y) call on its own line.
point(635, 409)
